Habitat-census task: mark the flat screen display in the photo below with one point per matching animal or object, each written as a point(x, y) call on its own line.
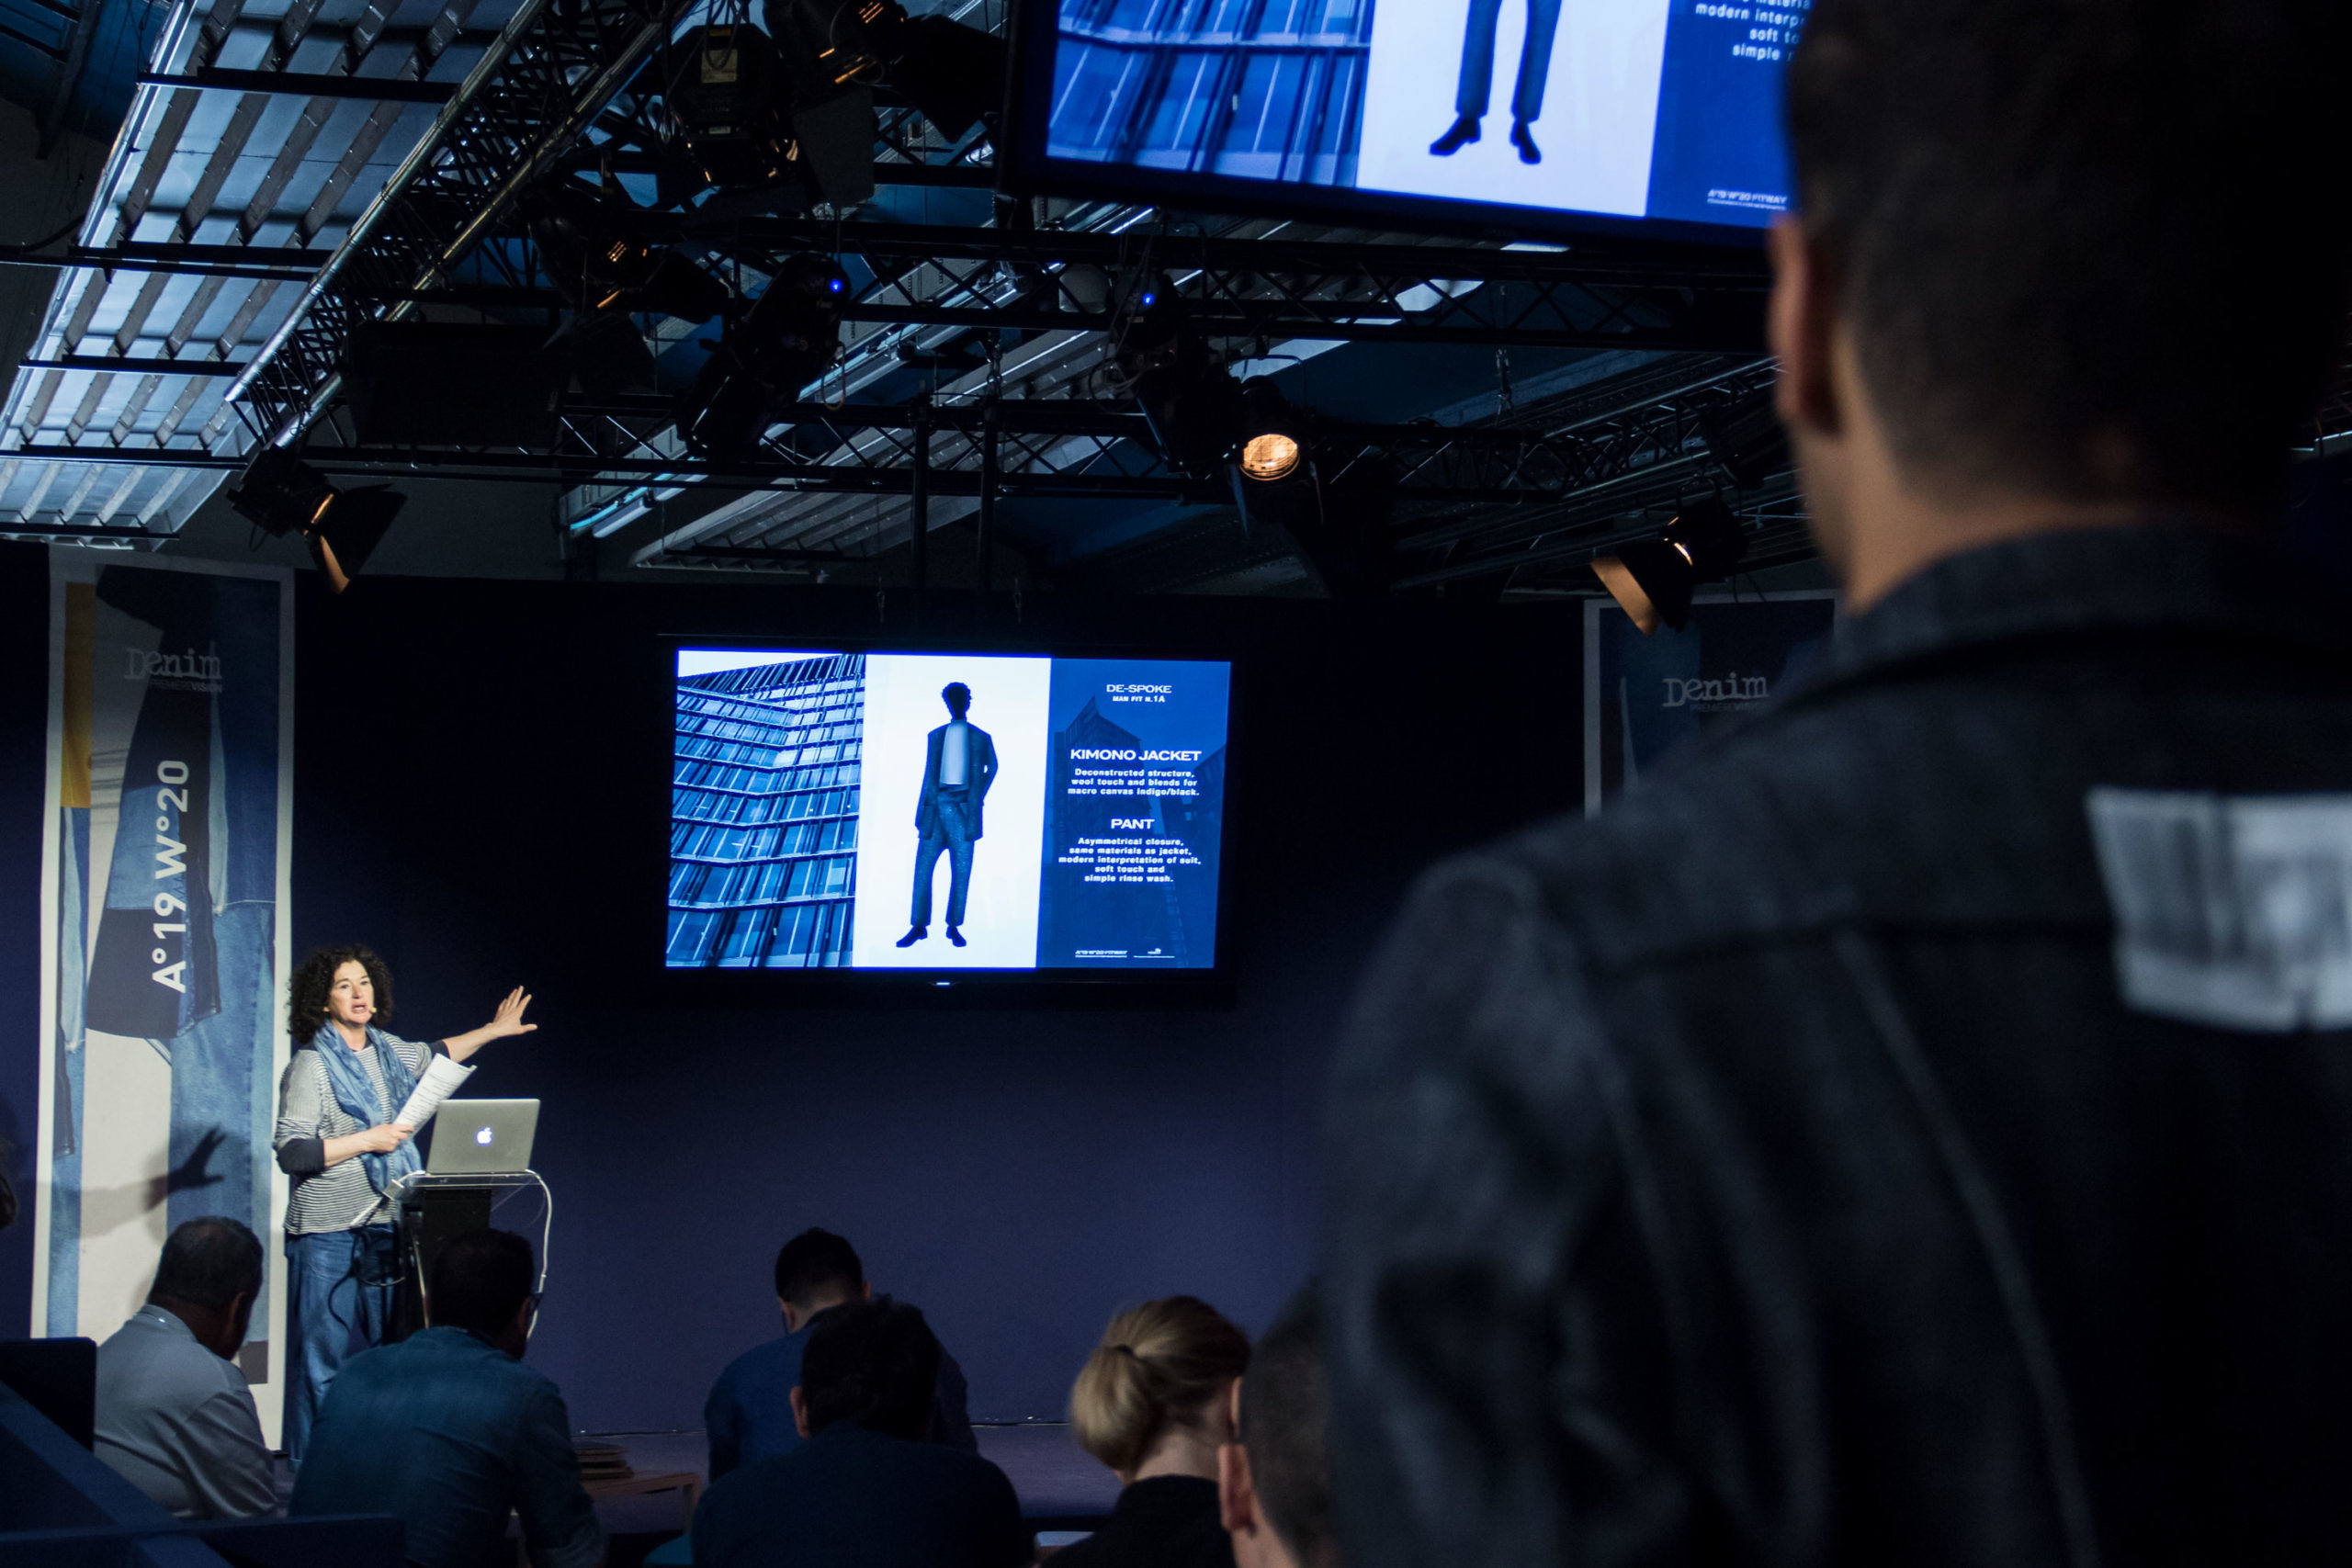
point(1581, 111)
point(838, 809)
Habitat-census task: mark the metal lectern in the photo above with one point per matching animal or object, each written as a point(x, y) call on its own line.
point(431, 1209)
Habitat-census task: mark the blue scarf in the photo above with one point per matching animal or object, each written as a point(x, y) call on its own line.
point(356, 1092)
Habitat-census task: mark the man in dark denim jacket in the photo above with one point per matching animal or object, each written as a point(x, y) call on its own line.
point(450, 1432)
point(1917, 1128)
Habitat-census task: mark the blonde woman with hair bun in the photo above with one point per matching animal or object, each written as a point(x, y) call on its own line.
point(1154, 1403)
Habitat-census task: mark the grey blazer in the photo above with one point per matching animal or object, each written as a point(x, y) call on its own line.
point(979, 771)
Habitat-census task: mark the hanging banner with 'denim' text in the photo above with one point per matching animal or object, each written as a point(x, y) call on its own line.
point(165, 939)
point(1646, 696)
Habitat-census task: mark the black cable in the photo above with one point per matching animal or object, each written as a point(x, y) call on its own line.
point(26, 249)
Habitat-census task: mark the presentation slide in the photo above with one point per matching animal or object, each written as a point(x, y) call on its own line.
point(931, 811)
point(1631, 109)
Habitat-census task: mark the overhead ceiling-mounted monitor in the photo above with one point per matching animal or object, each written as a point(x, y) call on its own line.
point(1525, 116)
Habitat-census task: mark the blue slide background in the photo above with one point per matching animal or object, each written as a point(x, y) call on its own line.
point(1153, 925)
point(1719, 112)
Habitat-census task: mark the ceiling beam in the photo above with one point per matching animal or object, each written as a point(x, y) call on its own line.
point(382, 89)
point(115, 365)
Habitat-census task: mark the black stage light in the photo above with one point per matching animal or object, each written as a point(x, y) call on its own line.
point(757, 110)
point(1652, 582)
point(281, 494)
point(951, 75)
point(1747, 438)
point(1193, 404)
point(832, 138)
point(764, 358)
point(954, 75)
point(1274, 485)
point(597, 264)
point(724, 89)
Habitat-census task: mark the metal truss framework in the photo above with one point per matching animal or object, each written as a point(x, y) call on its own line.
point(1266, 289)
point(561, 63)
point(1026, 281)
point(556, 94)
point(1024, 448)
point(552, 94)
point(1085, 447)
point(1643, 452)
point(1531, 495)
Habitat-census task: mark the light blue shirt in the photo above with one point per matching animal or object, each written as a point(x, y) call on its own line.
point(954, 747)
point(178, 1421)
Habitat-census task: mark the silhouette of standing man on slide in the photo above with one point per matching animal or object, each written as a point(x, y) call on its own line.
point(1478, 75)
point(955, 779)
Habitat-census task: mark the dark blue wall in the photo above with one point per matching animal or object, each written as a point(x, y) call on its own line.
point(480, 794)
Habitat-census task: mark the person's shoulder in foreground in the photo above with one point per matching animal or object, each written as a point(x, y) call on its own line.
point(450, 1431)
point(865, 1488)
point(173, 1415)
point(1844, 1148)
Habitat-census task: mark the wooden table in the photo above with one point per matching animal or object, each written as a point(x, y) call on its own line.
point(685, 1483)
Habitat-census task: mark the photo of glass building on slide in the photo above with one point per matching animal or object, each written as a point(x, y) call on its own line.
point(1241, 87)
point(764, 815)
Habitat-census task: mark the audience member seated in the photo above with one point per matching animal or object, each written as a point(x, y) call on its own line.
point(1274, 1480)
point(1154, 1402)
point(448, 1430)
point(749, 1413)
point(173, 1414)
point(866, 1489)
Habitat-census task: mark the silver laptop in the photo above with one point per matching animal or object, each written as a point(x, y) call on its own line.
point(481, 1138)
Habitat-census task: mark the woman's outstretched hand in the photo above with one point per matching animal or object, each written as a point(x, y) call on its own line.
point(508, 1022)
point(509, 1019)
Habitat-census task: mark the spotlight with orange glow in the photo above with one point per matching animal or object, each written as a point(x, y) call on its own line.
point(1655, 580)
point(281, 494)
point(1272, 448)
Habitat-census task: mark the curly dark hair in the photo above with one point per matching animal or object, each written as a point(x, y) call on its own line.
point(306, 994)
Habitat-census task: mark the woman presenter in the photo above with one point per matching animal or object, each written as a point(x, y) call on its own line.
point(337, 1138)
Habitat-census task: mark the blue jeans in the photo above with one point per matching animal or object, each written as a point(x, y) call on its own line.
point(951, 834)
point(1478, 59)
point(341, 1303)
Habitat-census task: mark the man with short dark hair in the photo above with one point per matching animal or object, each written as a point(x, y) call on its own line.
point(174, 1416)
point(1912, 1126)
point(448, 1430)
point(1275, 1478)
point(748, 1413)
point(866, 1489)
